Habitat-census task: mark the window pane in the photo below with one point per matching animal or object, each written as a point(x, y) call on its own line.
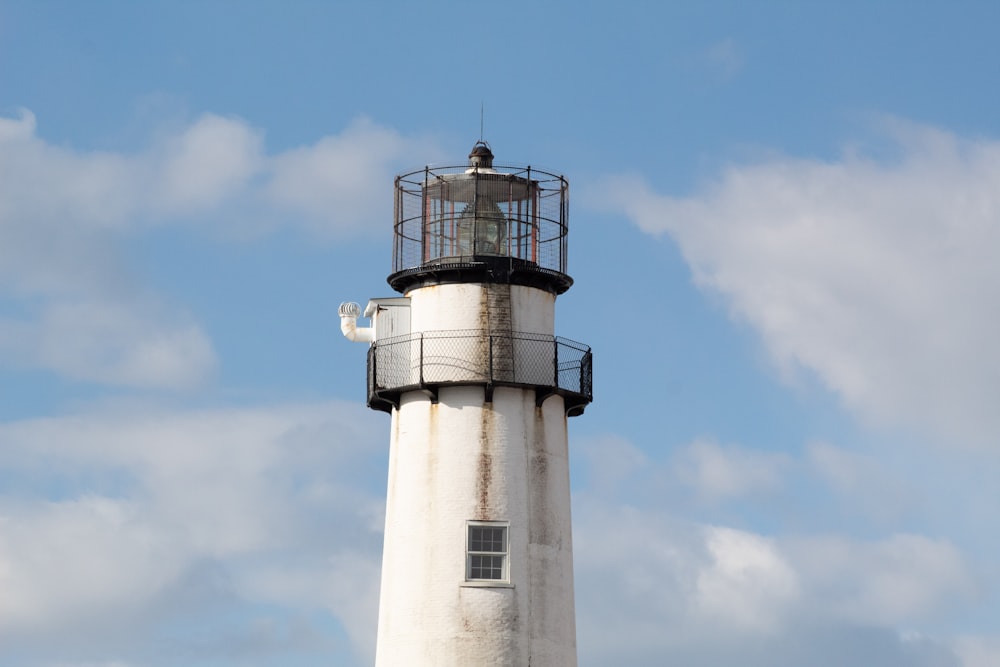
point(487, 538)
point(486, 567)
point(476, 538)
point(496, 543)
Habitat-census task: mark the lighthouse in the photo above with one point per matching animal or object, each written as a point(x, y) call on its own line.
point(477, 564)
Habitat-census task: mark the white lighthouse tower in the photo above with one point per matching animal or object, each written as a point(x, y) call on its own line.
point(477, 567)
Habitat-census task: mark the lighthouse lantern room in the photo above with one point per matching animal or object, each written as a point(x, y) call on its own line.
point(477, 565)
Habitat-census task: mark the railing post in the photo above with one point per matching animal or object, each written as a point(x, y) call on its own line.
point(420, 358)
point(555, 363)
point(489, 377)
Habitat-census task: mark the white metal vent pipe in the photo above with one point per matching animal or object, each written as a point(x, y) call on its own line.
point(349, 313)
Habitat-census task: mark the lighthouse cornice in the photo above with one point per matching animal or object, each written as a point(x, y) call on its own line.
point(482, 269)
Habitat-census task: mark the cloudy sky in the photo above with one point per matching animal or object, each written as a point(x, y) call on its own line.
point(785, 223)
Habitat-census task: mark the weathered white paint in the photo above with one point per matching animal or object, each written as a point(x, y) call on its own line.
point(390, 316)
point(463, 459)
point(466, 306)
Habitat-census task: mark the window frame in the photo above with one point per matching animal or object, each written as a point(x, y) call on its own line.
point(505, 554)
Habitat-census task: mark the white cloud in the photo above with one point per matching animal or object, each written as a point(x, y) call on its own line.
point(717, 472)
point(655, 588)
point(610, 462)
point(63, 560)
point(106, 342)
point(747, 582)
point(52, 185)
point(652, 589)
point(19, 129)
point(979, 651)
point(279, 500)
point(890, 582)
point(334, 182)
point(127, 518)
point(346, 583)
point(863, 483)
point(81, 311)
point(879, 277)
point(206, 163)
point(327, 187)
point(701, 470)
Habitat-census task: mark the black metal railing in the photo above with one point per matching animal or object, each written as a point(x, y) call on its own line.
point(431, 359)
point(452, 218)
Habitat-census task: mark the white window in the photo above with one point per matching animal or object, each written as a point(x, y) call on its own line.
point(486, 558)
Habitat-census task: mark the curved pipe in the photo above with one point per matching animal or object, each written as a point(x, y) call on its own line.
point(349, 312)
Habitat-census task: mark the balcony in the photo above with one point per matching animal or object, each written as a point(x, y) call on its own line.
point(430, 360)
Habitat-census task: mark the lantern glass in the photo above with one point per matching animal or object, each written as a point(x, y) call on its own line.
point(482, 229)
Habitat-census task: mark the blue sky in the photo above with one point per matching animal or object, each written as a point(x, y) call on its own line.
point(784, 224)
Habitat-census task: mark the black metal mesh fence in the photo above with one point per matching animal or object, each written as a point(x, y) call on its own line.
point(436, 358)
point(452, 214)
